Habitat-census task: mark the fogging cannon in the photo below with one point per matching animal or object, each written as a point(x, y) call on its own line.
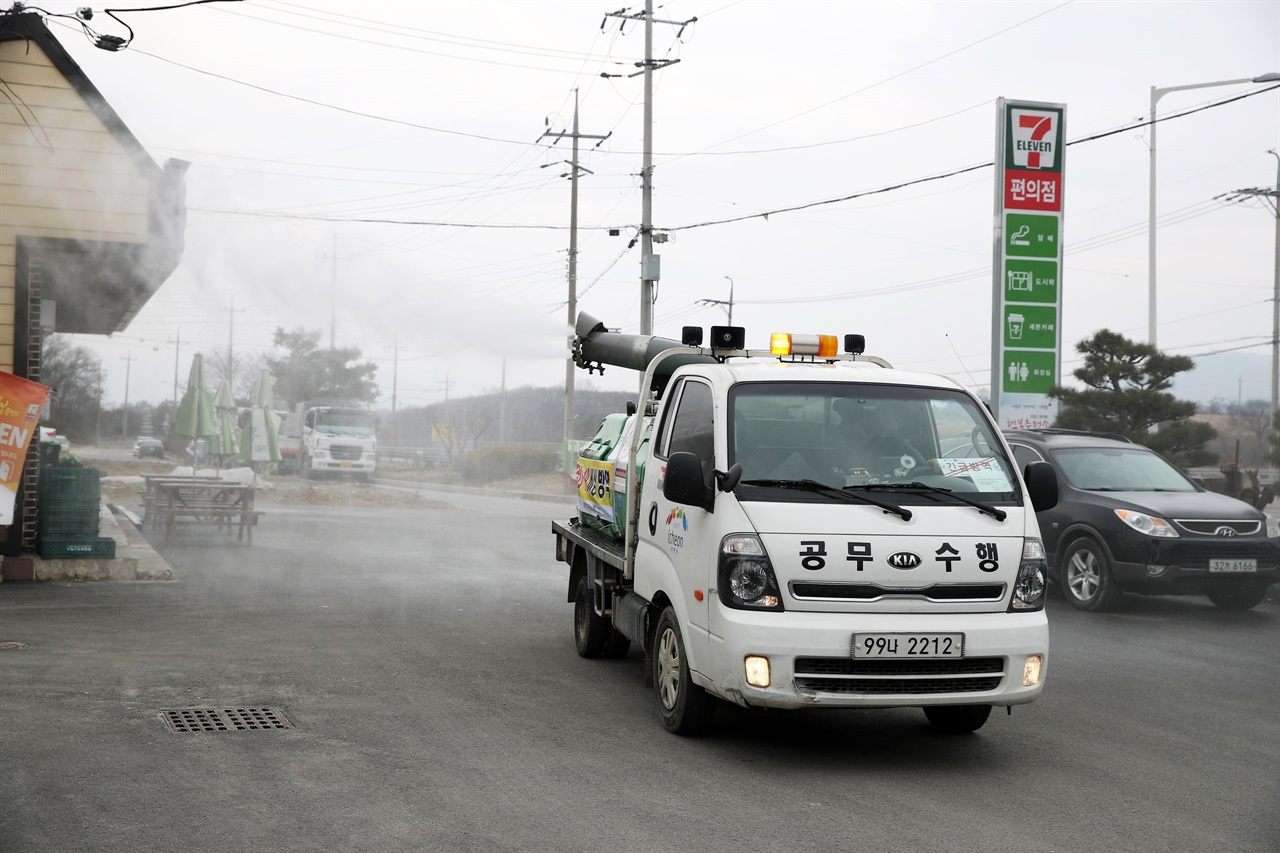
point(594, 346)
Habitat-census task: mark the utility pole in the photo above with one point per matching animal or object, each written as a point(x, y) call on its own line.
point(723, 303)
point(574, 168)
point(231, 346)
point(649, 262)
point(333, 257)
point(395, 373)
point(124, 423)
point(1270, 197)
point(177, 349)
point(97, 421)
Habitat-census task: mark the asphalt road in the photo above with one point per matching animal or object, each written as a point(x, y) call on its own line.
point(425, 661)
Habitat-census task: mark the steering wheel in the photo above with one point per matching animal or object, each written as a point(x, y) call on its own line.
point(981, 444)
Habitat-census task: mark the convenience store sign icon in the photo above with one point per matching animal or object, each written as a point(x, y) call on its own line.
point(1034, 137)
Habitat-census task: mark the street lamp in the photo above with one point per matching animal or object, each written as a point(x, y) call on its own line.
point(1156, 94)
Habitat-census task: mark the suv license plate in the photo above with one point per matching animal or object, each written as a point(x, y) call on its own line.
point(908, 645)
point(1233, 566)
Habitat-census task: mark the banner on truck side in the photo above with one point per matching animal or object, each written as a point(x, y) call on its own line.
point(595, 488)
point(20, 403)
point(1026, 334)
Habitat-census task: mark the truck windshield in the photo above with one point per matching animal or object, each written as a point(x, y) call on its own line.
point(341, 422)
point(853, 436)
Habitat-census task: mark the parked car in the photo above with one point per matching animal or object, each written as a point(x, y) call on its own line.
point(1127, 520)
point(145, 448)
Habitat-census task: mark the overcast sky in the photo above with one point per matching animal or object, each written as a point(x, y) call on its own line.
point(403, 137)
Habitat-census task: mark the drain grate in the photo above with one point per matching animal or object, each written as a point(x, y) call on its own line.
point(185, 720)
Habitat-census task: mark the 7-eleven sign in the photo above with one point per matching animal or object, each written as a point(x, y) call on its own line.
point(1035, 139)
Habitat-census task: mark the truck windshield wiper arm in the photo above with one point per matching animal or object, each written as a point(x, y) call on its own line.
point(815, 486)
point(995, 512)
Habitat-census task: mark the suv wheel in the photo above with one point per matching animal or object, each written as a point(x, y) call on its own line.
point(1086, 577)
point(1238, 596)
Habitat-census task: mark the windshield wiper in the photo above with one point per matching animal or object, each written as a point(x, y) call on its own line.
point(993, 511)
point(823, 488)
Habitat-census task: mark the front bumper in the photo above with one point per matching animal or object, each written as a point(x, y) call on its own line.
point(1181, 566)
point(811, 663)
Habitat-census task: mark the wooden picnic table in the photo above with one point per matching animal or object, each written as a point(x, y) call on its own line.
point(209, 500)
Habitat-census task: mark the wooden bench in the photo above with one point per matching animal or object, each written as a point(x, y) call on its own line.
point(243, 519)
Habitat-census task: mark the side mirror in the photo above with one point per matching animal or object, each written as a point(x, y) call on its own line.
point(1042, 485)
point(684, 484)
point(728, 480)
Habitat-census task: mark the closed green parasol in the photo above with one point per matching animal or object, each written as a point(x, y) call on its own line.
point(223, 444)
point(196, 415)
point(259, 443)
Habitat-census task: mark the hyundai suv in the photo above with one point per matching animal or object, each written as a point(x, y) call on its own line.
point(1129, 521)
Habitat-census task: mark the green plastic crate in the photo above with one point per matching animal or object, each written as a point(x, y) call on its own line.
point(85, 547)
point(65, 481)
point(59, 521)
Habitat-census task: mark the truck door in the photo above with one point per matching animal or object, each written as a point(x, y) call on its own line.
point(683, 538)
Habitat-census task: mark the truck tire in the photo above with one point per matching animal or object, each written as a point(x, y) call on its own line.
point(957, 719)
point(684, 707)
point(1087, 583)
point(591, 631)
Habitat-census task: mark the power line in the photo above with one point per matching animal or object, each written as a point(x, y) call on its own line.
point(951, 174)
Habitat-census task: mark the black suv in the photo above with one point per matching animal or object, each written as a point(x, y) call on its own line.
point(1129, 521)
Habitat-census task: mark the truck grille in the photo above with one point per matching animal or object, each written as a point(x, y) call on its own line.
point(346, 452)
point(874, 592)
point(899, 676)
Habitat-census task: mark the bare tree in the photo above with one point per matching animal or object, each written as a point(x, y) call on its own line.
point(72, 372)
point(1252, 417)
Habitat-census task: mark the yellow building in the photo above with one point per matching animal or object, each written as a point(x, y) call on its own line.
point(90, 225)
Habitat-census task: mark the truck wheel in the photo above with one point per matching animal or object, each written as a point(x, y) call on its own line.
point(1087, 583)
point(1238, 596)
point(685, 708)
point(957, 719)
point(591, 631)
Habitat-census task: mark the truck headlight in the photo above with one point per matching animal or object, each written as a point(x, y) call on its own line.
point(1029, 585)
point(745, 575)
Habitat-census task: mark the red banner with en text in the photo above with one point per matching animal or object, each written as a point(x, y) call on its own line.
point(20, 403)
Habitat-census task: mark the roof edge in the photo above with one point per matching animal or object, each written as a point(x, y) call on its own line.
point(30, 26)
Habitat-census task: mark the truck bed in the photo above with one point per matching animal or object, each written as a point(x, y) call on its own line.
point(603, 547)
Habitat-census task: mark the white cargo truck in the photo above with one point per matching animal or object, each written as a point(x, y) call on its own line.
point(320, 437)
point(803, 528)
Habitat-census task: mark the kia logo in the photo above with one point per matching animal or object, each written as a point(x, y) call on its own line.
point(904, 560)
point(1225, 531)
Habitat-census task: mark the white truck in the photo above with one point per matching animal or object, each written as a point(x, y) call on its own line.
point(322, 437)
point(776, 558)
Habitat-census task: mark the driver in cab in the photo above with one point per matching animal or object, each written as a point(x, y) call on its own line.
point(870, 444)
